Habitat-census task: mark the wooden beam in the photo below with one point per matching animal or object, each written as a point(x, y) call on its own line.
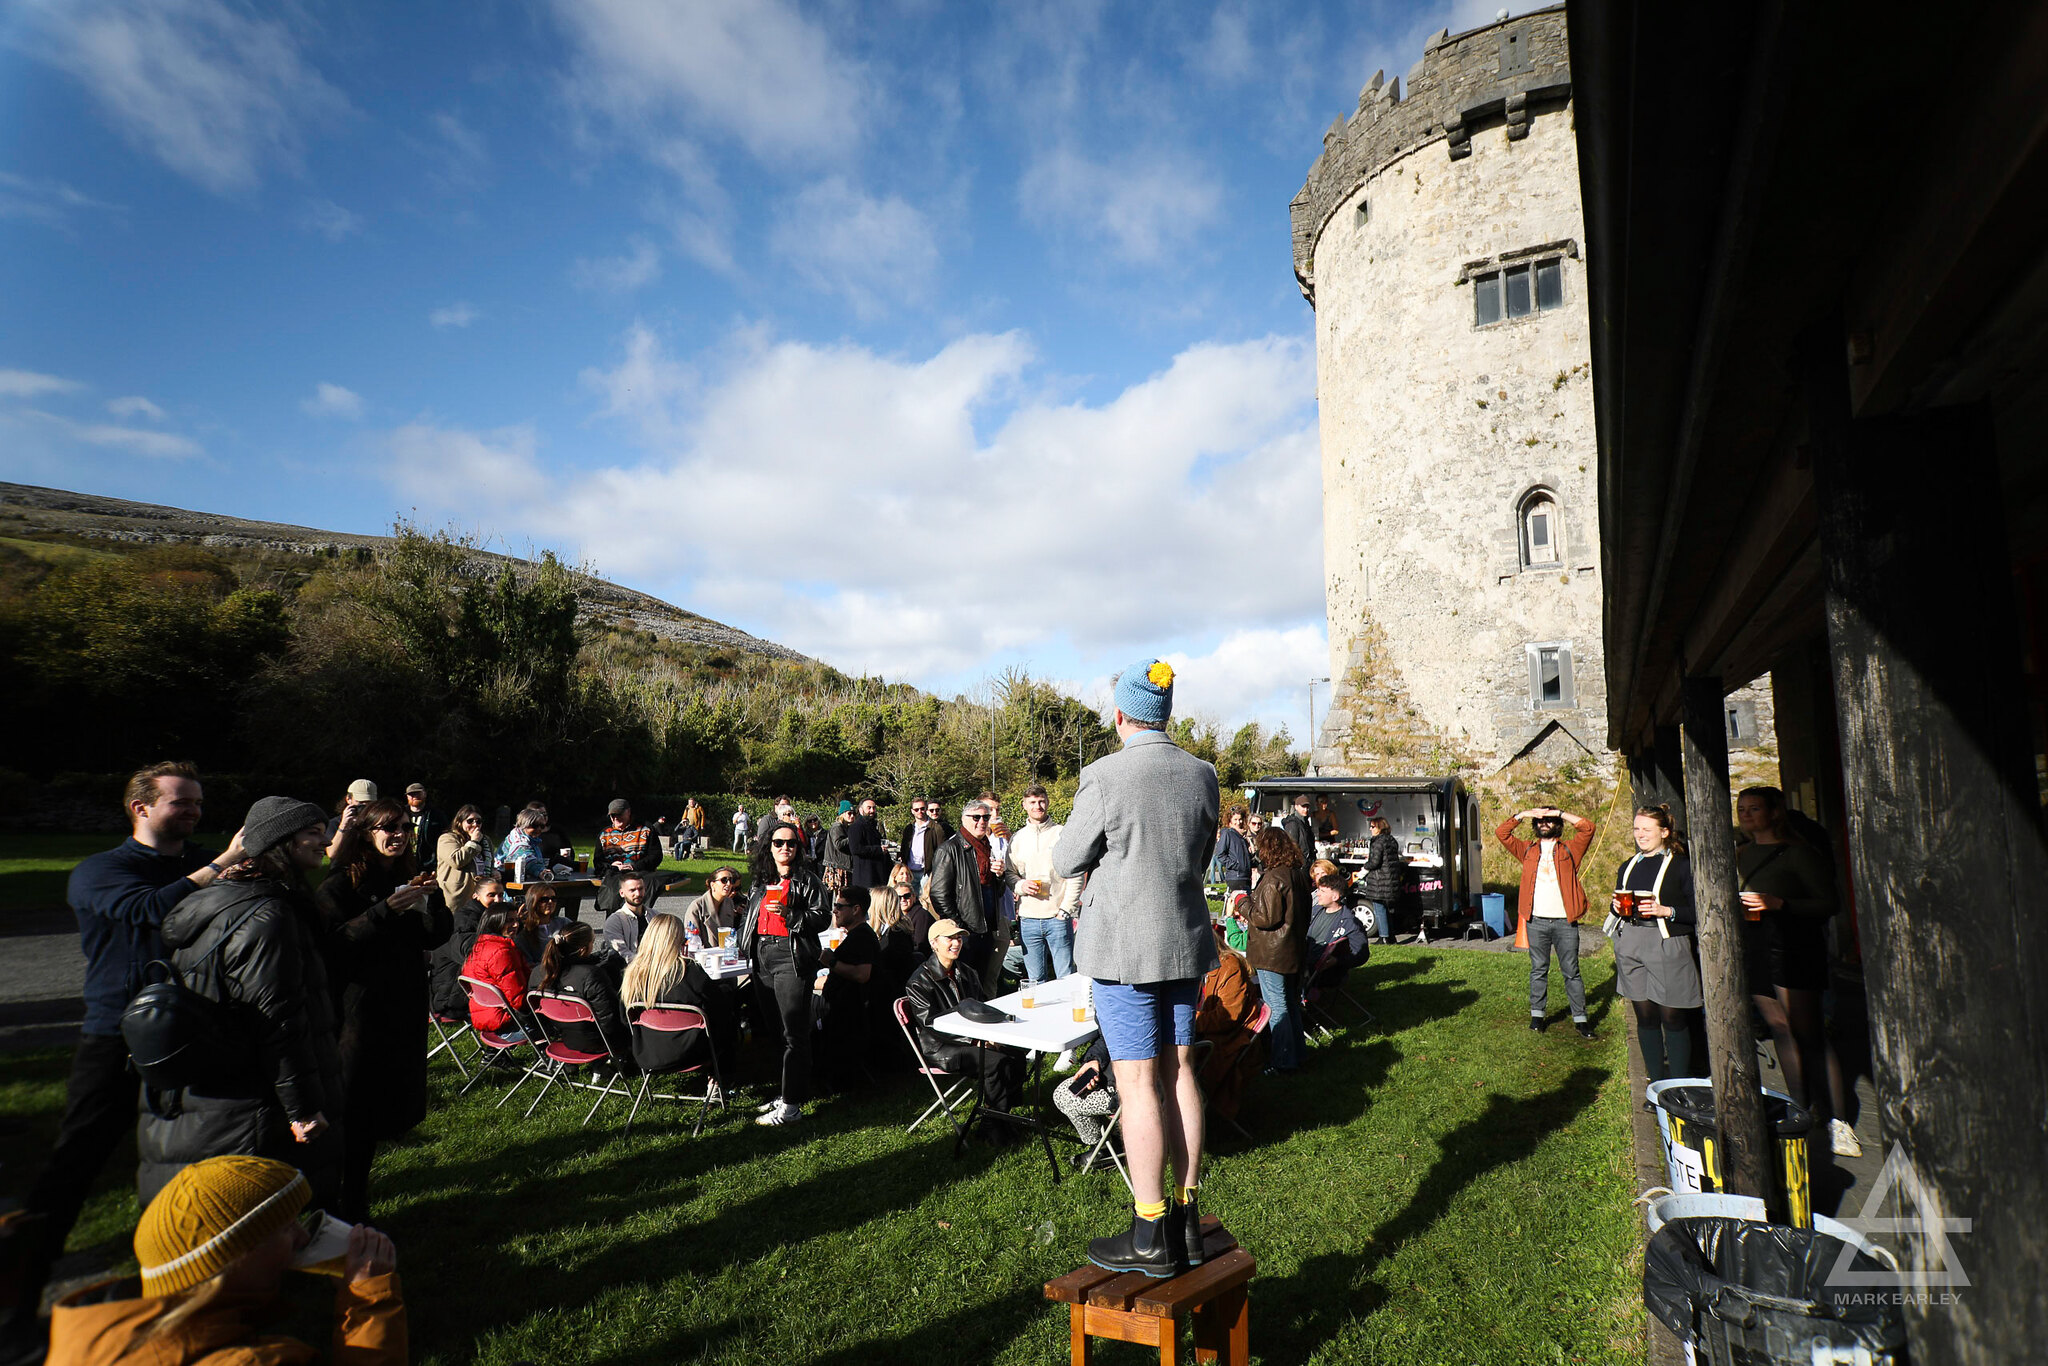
point(1738, 1095)
point(1946, 851)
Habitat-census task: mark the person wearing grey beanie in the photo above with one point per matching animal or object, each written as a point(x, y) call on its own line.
point(254, 939)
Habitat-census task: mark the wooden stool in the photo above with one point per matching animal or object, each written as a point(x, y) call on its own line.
point(1132, 1307)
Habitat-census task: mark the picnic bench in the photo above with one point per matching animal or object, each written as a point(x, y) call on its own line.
point(1133, 1307)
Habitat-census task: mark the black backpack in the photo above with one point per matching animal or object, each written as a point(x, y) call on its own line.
point(178, 1037)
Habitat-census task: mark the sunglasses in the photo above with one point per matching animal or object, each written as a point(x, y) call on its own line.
point(974, 818)
point(388, 829)
point(784, 844)
point(722, 881)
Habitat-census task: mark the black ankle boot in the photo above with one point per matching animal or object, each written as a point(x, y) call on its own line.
point(1144, 1248)
point(1184, 1233)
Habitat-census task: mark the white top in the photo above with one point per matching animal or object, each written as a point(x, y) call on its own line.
point(1549, 900)
point(1048, 1027)
point(1031, 855)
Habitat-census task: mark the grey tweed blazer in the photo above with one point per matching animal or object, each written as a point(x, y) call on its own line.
point(1143, 826)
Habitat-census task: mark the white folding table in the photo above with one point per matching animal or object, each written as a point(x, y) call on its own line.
point(1048, 1027)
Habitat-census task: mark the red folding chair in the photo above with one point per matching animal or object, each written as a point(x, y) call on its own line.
point(946, 1097)
point(1261, 1022)
point(552, 1010)
point(442, 1025)
point(495, 1044)
point(1314, 1016)
point(679, 1020)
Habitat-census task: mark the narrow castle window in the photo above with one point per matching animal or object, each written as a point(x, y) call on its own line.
point(1517, 291)
point(1540, 532)
point(1550, 674)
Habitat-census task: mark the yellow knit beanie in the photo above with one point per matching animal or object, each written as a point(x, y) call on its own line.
point(212, 1213)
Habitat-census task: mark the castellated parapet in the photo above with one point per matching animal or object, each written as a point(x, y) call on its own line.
point(1460, 624)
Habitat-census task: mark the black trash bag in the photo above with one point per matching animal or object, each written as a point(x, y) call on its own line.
point(1695, 1105)
point(1745, 1291)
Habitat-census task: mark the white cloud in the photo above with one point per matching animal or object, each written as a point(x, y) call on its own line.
point(1261, 674)
point(756, 70)
point(1142, 207)
point(50, 202)
point(457, 314)
point(135, 405)
point(330, 219)
point(873, 252)
point(951, 516)
point(133, 440)
point(461, 156)
point(1226, 53)
point(331, 400)
point(641, 265)
point(212, 90)
point(28, 384)
point(698, 212)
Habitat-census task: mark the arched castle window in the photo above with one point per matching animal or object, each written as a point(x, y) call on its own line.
point(1538, 529)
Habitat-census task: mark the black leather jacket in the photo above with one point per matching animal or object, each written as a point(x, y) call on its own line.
point(932, 993)
point(955, 891)
point(808, 913)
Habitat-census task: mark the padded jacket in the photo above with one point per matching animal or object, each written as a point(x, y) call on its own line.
point(89, 1328)
point(594, 981)
point(275, 983)
point(444, 965)
point(496, 959)
point(375, 960)
point(932, 993)
point(1385, 867)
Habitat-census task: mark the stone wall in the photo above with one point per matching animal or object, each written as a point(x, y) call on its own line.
point(1434, 429)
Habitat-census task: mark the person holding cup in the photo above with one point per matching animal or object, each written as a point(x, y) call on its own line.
point(213, 1247)
point(1787, 891)
point(1654, 964)
point(1045, 900)
point(786, 908)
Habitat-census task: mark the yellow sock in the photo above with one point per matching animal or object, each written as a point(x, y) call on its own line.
point(1187, 1194)
point(1155, 1210)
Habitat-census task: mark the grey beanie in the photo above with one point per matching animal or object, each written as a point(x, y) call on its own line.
point(273, 820)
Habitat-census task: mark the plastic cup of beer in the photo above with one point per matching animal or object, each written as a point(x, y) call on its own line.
point(725, 936)
point(1028, 997)
point(1625, 903)
point(1753, 905)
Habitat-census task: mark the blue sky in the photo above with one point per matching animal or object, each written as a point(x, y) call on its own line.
point(925, 338)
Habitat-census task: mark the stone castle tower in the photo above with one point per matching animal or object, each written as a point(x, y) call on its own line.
point(1440, 240)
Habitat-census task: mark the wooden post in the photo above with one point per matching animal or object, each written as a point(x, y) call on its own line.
point(1738, 1095)
point(1946, 855)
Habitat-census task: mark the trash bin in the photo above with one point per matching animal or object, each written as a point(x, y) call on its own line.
point(1738, 1290)
point(1685, 1107)
point(1493, 907)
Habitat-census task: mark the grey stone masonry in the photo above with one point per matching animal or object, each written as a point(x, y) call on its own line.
point(1500, 74)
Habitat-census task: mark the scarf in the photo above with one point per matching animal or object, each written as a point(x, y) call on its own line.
point(979, 844)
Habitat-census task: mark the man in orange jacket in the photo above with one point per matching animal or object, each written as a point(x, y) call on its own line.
point(213, 1247)
point(1552, 904)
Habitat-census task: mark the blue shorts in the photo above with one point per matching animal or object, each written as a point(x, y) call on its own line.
point(1136, 1017)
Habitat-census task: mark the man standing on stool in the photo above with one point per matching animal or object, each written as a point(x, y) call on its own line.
point(1143, 827)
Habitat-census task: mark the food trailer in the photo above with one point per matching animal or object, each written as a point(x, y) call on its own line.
point(1435, 821)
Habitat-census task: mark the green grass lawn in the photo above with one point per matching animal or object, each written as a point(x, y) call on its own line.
point(1445, 1187)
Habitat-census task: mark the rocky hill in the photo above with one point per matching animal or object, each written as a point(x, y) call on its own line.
point(27, 510)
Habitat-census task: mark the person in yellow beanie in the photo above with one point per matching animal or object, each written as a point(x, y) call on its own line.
point(214, 1246)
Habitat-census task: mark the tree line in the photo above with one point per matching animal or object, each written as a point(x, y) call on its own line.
point(292, 672)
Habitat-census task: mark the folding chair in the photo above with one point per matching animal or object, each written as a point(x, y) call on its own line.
point(1325, 978)
point(496, 1043)
point(552, 1010)
point(679, 1020)
point(1261, 1022)
point(441, 1025)
point(947, 1097)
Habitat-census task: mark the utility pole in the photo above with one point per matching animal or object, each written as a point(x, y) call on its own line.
point(1312, 723)
point(1738, 1095)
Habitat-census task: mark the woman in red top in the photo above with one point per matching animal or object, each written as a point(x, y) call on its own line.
point(496, 959)
point(786, 910)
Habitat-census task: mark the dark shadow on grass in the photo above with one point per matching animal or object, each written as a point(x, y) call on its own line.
point(1301, 1313)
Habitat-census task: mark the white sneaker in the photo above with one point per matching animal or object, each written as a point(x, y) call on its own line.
point(764, 1109)
point(781, 1114)
point(1064, 1062)
point(1844, 1139)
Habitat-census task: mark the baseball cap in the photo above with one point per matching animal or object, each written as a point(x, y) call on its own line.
point(363, 790)
point(943, 929)
point(618, 805)
point(416, 790)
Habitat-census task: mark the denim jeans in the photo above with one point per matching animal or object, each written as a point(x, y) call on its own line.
point(1048, 947)
point(1281, 993)
point(1544, 935)
point(1382, 920)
